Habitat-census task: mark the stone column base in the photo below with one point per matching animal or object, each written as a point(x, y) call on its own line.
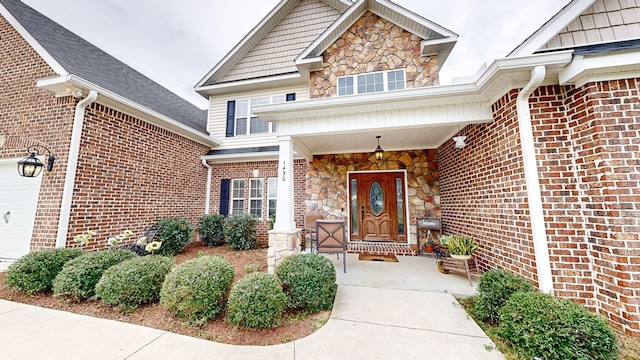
point(281, 244)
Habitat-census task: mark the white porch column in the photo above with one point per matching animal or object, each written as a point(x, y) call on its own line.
point(284, 239)
point(284, 207)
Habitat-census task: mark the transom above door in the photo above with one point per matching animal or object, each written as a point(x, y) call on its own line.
point(377, 206)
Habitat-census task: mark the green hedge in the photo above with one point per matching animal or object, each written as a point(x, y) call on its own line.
point(35, 271)
point(256, 301)
point(197, 289)
point(240, 231)
point(309, 280)
point(211, 229)
point(494, 290)
point(133, 282)
point(173, 233)
point(79, 276)
point(551, 328)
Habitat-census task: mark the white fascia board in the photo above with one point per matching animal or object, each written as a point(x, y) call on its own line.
point(242, 43)
point(588, 68)
point(554, 59)
point(44, 54)
point(251, 84)
point(552, 27)
point(448, 34)
point(241, 157)
point(59, 85)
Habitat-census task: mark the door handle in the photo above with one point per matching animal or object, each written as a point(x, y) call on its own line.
point(6, 217)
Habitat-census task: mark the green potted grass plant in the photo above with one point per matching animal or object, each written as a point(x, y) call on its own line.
point(460, 246)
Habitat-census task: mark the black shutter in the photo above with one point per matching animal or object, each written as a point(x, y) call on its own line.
point(231, 118)
point(225, 187)
point(291, 97)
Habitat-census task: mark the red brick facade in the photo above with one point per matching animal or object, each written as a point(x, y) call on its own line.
point(130, 173)
point(587, 142)
point(265, 169)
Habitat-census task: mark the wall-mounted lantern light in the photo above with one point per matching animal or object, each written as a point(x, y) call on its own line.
point(379, 152)
point(31, 166)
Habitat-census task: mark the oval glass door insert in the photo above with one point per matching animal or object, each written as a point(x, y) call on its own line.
point(376, 198)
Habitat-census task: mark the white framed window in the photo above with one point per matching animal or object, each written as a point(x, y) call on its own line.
point(371, 82)
point(237, 196)
point(255, 197)
point(272, 197)
point(247, 123)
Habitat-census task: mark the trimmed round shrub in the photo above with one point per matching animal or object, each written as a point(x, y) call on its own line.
point(133, 282)
point(79, 276)
point(551, 328)
point(174, 233)
point(494, 290)
point(256, 301)
point(211, 229)
point(309, 280)
point(240, 231)
point(35, 271)
point(197, 289)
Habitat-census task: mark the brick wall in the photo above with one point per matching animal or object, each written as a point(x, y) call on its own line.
point(29, 116)
point(266, 169)
point(131, 174)
point(587, 150)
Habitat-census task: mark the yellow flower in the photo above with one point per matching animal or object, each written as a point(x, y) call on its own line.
point(92, 233)
point(142, 240)
point(127, 232)
point(121, 237)
point(153, 246)
point(113, 241)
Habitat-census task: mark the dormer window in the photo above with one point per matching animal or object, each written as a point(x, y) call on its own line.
point(371, 82)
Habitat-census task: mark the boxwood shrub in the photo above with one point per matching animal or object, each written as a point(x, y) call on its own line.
point(133, 282)
point(35, 271)
point(79, 276)
point(495, 287)
point(240, 231)
point(211, 229)
point(197, 289)
point(256, 301)
point(174, 233)
point(309, 280)
point(551, 328)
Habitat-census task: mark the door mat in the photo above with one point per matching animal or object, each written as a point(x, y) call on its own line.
point(378, 257)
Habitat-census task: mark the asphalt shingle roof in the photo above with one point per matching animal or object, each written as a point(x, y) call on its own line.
point(81, 58)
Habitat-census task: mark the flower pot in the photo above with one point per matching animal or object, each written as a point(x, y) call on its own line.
point(429, 248)
point(460, 257)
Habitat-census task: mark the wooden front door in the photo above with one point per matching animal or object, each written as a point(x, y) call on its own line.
point(377, 206)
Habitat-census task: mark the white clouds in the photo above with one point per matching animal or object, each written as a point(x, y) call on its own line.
point(177, 42)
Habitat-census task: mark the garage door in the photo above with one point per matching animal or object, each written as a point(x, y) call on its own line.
point(18, 199)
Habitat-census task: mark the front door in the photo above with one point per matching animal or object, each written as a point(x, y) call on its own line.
point(377, 206)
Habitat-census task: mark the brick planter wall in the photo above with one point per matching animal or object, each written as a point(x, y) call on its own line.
point(587, 150)
point(374, 44)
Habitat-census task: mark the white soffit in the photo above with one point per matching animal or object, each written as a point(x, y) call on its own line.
point(588, 68)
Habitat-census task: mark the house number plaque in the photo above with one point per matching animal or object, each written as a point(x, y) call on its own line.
point(284, 172)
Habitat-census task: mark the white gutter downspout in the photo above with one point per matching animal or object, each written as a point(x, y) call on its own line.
point(72, 166)
point(538, 228)
point(208, 197)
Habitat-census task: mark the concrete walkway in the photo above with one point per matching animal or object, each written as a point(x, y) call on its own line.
point(402, 310)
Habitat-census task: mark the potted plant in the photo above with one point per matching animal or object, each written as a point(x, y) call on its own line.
point(460, 246)
point(429, 245)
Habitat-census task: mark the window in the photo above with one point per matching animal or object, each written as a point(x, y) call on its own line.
point(255, 197)
point(371, 82)
point(237, 196)
point(272, 193)
point(247, 123)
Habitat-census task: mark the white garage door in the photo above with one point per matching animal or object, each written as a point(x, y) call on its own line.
point(18, 199)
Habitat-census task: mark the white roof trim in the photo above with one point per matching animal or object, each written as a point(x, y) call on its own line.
point(585, 69)
point(44, 54)
point(551, 28)
point(360, 7)
point(61, 85)
point(242, 157)
point(250, 84)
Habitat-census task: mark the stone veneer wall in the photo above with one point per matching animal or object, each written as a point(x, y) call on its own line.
point(374, 44)
point(326, 182)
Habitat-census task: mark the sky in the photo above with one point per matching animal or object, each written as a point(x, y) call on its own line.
point(176, 43)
